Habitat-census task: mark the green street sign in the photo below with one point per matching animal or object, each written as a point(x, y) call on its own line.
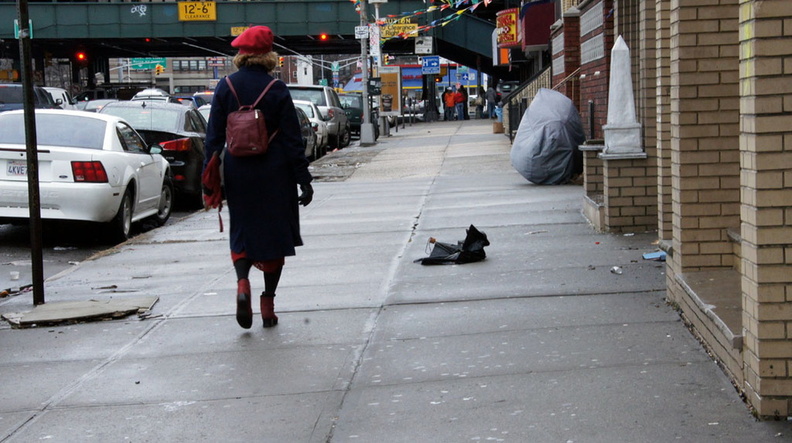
point(147, 63)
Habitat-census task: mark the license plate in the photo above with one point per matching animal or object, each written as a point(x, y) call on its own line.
point(17, 168)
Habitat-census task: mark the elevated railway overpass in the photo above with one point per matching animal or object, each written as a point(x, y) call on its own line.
point(105, 30)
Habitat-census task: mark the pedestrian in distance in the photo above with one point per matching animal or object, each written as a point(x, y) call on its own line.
point(459, 104)
point(448, 104)
point(492, 100)
point(480, 103)
point(465, 114)
point(260, 190)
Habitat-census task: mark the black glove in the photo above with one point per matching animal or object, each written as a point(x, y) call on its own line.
point(307, 194)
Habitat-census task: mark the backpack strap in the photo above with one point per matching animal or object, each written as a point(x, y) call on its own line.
point(263, 93)
point(233, 91)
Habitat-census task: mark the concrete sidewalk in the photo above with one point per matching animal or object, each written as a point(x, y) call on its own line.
point(541, 342)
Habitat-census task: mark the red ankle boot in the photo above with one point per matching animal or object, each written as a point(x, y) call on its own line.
point(244, 312)
point(268, 310)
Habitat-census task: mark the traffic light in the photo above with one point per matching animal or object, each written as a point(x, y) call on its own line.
point(385, 59)
point(81, 58)
point(438, 79)
point(323, 37)
point(280, 61)
point(159, 69)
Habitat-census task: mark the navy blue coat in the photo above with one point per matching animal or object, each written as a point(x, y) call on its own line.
point(261, 191)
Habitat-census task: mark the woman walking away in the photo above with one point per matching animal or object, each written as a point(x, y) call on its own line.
point(261, 190)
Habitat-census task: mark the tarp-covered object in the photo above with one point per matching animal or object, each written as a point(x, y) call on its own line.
point(468, 251)
point(545, 149)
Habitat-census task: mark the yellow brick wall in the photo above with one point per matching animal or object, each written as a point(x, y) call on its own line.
point(663, 117)
point(704, 129)
point(629, 195)
point(766, 159)
point(566, 4)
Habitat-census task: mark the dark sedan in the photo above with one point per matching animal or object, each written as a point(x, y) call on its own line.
point(180, 130)
point(352, 103)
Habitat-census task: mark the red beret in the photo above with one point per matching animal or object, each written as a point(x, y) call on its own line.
point(255, 40)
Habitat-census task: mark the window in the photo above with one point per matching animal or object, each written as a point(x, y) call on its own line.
point(193, 123)
point(130, 139)
point(55, 130)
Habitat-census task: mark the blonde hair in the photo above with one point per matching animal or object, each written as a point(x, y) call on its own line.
point(268, 60)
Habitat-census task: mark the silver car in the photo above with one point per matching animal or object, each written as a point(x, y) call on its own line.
point(92, 168)
point(319, 125)
point(326, 99)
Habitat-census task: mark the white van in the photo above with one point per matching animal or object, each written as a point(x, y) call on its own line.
point(61, 97)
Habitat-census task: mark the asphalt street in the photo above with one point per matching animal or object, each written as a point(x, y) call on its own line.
point(562, 334)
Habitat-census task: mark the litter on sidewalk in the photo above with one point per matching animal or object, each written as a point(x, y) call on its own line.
point(658, 256)
point(468, 251)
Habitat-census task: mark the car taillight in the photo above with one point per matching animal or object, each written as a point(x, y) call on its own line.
point(330, 114)
point(315, 126)
point(89, 172)
point(180, 144)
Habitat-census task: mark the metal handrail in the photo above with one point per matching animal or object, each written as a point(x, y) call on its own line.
point(515, 104)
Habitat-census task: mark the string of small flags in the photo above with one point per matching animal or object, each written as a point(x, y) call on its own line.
point(406, 17)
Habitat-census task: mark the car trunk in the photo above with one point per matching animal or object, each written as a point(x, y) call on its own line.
point(53, 165)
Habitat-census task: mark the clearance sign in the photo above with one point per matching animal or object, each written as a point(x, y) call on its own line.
point(395, 29)
point(506, 26)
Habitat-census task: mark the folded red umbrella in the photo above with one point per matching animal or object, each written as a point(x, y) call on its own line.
point(212, 187)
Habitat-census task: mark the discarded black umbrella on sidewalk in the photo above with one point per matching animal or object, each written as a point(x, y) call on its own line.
point(468, 251)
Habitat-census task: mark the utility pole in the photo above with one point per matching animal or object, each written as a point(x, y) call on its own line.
point(34, 193)
point(384, 129)
point(366, 128)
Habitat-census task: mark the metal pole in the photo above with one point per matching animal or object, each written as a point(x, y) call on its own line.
point(383, 120)
point(34, 198)
point(366, 128)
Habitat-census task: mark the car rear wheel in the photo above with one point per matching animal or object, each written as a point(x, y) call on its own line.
point(165, 204)
point(121, 225)
point(346, 137)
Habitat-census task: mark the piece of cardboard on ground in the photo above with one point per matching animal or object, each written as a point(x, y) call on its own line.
point(73, 311)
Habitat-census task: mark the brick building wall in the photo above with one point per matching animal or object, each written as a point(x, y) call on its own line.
point(629, 195)
point(766, 160)
point(704, 132)
point(714, 96)
point(596, 40)
point(663, 117)
point(566, 56)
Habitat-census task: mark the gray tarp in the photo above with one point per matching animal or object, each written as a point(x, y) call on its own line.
point(545, 149)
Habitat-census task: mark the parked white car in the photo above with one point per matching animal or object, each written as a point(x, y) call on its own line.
point(61, 97)
point(155, 95)
point(204, 110)
point(318, 124)
point(92, 167)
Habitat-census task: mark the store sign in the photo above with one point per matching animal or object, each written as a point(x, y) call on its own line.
point(507, 29)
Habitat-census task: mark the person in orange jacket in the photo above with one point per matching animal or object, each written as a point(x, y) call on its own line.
point(459, 103)
point(448, 104)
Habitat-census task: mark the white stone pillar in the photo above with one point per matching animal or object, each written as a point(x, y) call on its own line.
point(622, 131)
